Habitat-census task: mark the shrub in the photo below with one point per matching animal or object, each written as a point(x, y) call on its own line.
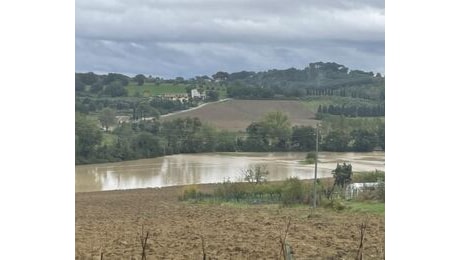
point(257, 174)
point(231, 190)
point(191, 193)
point(293, 192)
point(337, 205)
point(311, 157)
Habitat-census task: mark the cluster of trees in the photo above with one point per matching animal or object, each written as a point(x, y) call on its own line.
point(352, 110)
point(136, 107)
point(152, 138)
point(112, 84)
point(274, 133)
point(318, 79)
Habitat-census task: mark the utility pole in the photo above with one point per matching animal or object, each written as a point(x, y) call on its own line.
point(316, 167)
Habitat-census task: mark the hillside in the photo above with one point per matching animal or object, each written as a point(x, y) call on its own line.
point(350, 104)
point(236, 115)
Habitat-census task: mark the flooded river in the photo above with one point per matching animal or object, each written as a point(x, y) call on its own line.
point(183, 169)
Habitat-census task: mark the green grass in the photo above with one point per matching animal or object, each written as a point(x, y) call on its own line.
point(366, 207)
point(151, 89)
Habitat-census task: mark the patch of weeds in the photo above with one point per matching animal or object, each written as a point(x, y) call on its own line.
point(366, 207)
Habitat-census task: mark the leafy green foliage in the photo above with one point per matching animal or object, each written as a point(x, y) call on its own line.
point(140, 79)
point(87, 137)
point(107, 118)
point(342, 174)
point(293, 191)
point(115, 89)
point(318, 79)
point(303, 138)
point(336, 141)
point(364, 140)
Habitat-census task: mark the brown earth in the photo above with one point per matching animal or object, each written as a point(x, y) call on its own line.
point(110, 222)
point(235, 115)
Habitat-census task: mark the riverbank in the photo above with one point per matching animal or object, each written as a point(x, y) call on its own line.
point(109, 222)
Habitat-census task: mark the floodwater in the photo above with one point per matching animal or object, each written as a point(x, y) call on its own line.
point(181, 169)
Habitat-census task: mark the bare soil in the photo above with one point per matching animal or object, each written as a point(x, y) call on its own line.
point(110, 222)
point(235, 115)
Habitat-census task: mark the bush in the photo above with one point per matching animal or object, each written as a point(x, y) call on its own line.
point(257, 174)
point(310, 158)
point(337, 205)
point(191, 193)
point(231, 190)
point(293, 192)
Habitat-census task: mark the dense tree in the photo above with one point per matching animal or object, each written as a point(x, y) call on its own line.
point(140, 79)
point(88, 78)
point(212, 95)
point(96, 87)
point(115, 89)
point(79, 85)
point(257, 139)
point(363, 140)
point(112, 77)
point(303, 138)
point(342, 174)
point(220, 75)
point(87, 137)
point(147, 145)
point(278, 129)
point(336, 141)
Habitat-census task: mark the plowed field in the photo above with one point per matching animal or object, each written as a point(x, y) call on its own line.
point(236, 115)
point(110, 223)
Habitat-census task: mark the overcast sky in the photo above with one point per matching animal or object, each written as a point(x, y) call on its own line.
point(170, 38)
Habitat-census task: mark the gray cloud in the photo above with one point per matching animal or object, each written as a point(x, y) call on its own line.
point(186, 38)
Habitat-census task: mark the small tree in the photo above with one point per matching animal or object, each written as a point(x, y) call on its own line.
point(140, 79)
point(107, 118)
point(256, 174)
point(342, 176)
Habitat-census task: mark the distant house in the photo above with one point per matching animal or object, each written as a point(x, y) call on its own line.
point(196, 94)
point(122, 119)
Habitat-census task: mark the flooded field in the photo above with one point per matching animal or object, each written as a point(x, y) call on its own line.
point(182, 169)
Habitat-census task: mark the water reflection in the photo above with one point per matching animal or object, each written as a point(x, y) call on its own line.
point(211, 168)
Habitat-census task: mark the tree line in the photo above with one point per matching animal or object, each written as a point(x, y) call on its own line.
point(352, 110)
point(316, 79)
point(152, 138)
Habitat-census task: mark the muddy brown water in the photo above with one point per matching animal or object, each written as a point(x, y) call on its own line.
point(183, 169)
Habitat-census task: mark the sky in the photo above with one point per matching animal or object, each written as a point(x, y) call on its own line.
point(188, 38)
